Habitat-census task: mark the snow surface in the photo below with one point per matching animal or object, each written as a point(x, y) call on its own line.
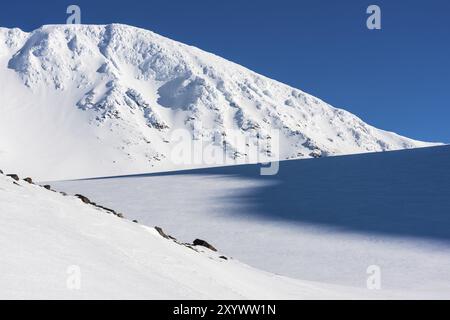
point(47, 238)
point(85, 101)
point(323, 220)
point(89, 101)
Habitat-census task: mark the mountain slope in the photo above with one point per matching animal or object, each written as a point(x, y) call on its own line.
point(104, 100)
point(57, 247)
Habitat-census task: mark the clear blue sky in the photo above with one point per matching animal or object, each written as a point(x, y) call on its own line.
point(397, 78)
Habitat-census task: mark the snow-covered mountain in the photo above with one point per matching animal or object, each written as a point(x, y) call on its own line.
point(82, 101)
point(57, 247)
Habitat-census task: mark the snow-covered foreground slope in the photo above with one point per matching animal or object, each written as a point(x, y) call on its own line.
point(85, 101)
point(323, 220)
point(57, 247)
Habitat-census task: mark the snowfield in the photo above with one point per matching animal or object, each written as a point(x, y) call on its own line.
point(85, 101)
point(48, 239)
point(324, 220)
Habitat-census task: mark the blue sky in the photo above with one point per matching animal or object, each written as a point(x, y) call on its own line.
point(396, 78)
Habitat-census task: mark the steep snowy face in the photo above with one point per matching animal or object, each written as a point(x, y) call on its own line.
point(102, 100)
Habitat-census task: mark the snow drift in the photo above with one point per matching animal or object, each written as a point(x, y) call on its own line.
point(83, 101)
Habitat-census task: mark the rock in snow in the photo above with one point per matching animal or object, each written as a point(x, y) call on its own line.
point(92, 100)
point(29, 180)
point(14, 176)
point(203, 243)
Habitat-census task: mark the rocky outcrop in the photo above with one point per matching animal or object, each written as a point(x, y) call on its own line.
point(83, 198)
point(316, 154)
point(162, 233)
point(203, 243)
point(86, 200)
point(29, 180)
point(14, 176)
point(197, 242)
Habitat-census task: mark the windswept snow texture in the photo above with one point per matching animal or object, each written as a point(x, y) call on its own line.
point(56, 247)
point(323, 220)
point(85, 101)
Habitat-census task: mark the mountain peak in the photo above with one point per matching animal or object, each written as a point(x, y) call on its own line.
point(129, 90)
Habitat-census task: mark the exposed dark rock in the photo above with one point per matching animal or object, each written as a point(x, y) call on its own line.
point(203, 243)
point(111, 211)
point(162, 233)
point(1, 172)
point(223, 257)
point(83, 198)
point(190, 247)
point(63, 193)
point(29, 180)
point(135, 221)
point(14, 176)
point(316, 154)
point(108, 210)
point(167, 236)
point(48, 187)
point(105, 208)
